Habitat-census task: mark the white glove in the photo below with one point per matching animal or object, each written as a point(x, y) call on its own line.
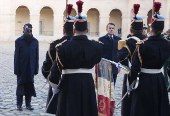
point(55, 91)
point(118, 65)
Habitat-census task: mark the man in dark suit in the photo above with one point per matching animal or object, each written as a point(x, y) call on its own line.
point(26, 63)
point(110, 47)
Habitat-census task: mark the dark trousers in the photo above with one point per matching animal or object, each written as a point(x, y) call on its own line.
point(114, 77)
point(20, 100)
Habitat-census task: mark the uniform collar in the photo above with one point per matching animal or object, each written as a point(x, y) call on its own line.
point(80, 37)
point(156, 37)
point(141, 36)
point(68, 37)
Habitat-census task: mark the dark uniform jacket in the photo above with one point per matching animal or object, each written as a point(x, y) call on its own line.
point(125, 57)
point(127, 53)
point(50, 58)
point(166, 65)
point(151, 97)
point(77, 92)
point(26, 59)
point(51, 55)
point(110, 49)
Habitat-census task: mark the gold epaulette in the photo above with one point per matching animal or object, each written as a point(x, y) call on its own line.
point(59, 44)
point(121, 44)
point(166, 39)
point(141, 41)
point(97, 41)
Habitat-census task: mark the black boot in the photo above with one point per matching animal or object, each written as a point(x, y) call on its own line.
point(19, 108)
point(19, 102)
point(29, 107)
point(28, 102)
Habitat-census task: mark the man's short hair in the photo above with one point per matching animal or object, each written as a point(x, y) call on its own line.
point(134, 31)
point(110, 24)
point(69, 32)
point(157, 31)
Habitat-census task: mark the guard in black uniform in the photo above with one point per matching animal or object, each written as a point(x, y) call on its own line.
point(126, 50)
point(151, 97)
point(75, 59)
point(51, 56)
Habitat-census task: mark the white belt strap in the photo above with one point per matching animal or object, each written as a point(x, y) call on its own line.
point(80, 70)
point(151, 71)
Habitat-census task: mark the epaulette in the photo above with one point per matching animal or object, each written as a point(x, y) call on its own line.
point(97, 41)
point(141, 41)
point(53, 41)
point(135, 38)
point(121, 44)
point(59, 44)
point(166, 39)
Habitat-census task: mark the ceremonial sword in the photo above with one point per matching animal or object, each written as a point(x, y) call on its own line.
point(133, 86)
point(117, 64)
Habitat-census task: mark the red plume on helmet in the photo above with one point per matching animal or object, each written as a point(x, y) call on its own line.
point(79, 5)
point(136, 9)
point(69, 8)
point(157, 6)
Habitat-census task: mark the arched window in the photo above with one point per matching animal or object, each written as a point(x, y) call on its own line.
point(93, 22)
point(46, 22)
point(22, 17)
point(116, 18)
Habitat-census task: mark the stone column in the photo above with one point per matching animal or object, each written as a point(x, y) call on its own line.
point(12, 31)
point(166, 16)
point(8, 27)
point(34, 20)
point(125, 26)
point(145, 18)
point(58, 25)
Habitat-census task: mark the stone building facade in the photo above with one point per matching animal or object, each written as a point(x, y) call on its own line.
point(46, 16)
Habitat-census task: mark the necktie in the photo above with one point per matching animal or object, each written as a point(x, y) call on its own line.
point(111, 38)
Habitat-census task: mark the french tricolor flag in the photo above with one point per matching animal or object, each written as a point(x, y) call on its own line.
point(104, 84)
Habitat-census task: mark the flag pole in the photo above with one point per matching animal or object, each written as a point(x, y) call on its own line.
point(153, 8)
point(66, 8)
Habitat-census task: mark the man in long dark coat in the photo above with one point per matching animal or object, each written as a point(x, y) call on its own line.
point(75, 59)
point(26, 64)
point(51, 56)
point(151, 96)
point(125, 55)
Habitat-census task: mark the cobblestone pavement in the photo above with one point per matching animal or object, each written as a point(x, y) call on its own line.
point(8, 85)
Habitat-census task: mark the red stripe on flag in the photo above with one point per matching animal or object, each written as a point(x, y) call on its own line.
point(105, 106)
point(112, 104)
